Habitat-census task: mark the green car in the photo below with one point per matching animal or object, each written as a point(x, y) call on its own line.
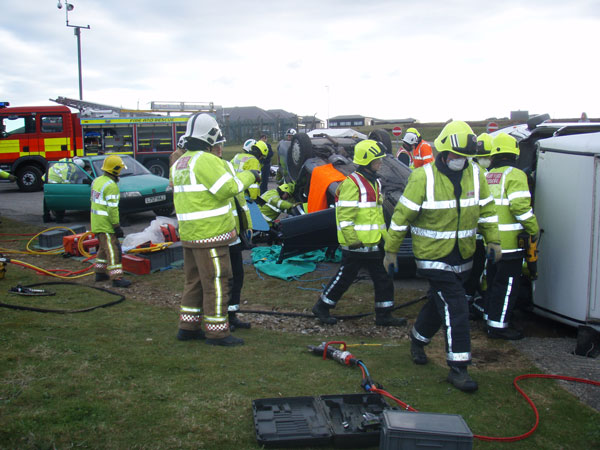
point(68, 187)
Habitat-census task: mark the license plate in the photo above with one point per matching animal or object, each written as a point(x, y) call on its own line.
point(156, 198)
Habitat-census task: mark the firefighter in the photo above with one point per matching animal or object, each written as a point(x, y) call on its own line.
point(360, 225)
point(7, 176)
point(254, 153)
point(106, 224)
point(420, 149)
point(472, 285)
point(61, 172)
point(445, 204)
point(509, 187)
point(203, 188)
point(265, 170)
point(289, 134)
point(276, 201)
point(243, 227)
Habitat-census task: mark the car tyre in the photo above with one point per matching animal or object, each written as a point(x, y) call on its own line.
point(383, 137)
point(29, 179)
point(158, 168)
point(300, 150)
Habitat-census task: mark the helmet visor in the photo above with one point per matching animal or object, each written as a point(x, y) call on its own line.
point(463, 144)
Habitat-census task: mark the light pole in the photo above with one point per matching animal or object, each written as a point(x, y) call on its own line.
point(77, 30)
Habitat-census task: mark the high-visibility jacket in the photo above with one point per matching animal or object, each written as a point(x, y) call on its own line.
point(359, 212)
point(61, 171)
point(245, 222)
point(437, 221)
point(273, 206)
point(245, 161)
point(400, 155)
point(105, 205)
point(4, 175)
point(422, 154)
point(202, 190)
point(513, 203)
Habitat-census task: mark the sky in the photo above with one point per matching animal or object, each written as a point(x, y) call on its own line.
point(431, 60)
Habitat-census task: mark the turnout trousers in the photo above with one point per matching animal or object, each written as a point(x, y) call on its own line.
point(351, 263)
point(237, 282)
point(446, 306)
point(108, 258)
point(504, 279)
point(206, 290)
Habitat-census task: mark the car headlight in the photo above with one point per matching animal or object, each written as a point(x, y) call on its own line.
point(169, 189)
point(131, 194)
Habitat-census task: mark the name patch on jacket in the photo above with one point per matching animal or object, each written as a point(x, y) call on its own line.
point(182, 162)
point(493, 177)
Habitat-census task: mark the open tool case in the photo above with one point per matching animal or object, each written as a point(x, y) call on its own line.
point(344, 421)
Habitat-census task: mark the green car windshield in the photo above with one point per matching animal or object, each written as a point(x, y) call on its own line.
point(132, 167)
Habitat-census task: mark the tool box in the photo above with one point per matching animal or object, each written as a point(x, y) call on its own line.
point(344, 421)
point(135, 264)
point(404, 430)
point(54, 238)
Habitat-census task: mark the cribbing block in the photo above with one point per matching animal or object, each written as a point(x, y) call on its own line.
point(175, 252)
point(135, 264)
point(54, 238)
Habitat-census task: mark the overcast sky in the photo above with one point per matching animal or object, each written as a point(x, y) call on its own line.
point(428, 59)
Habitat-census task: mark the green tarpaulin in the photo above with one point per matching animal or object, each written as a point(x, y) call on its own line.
point(265, 260)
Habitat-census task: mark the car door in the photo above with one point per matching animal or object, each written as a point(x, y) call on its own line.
point(69, 191)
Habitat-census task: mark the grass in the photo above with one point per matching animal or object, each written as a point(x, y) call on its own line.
point(116, 377)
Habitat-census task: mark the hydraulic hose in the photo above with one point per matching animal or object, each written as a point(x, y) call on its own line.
point(70, 275)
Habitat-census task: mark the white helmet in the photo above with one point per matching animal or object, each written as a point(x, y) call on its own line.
point(290, 132)
point(248, 145)
point(203, 127)
point(181, 142)
point(410, 138)
point(78, 162)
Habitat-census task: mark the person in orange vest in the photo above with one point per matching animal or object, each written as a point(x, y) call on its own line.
point(421, 150)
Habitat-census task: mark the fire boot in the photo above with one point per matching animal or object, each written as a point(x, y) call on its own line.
point(385, 319)
point(121, 282)
point(235, 322)
point(460, 379)
point(417, 352)
point(321, 310)
point(188, 335)
point(509, 334)
point(102, 277)
point(228, 341)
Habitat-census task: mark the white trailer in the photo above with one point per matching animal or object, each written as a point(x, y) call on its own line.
point(567, 205)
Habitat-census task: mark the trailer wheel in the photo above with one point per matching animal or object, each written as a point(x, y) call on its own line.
point(300, 150)
point(158, 168)
point(29, 179)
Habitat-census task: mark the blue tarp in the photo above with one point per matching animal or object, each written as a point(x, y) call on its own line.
point(265, 260)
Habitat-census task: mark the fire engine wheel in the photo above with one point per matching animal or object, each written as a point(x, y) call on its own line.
point(300, 150)
point(164, 211)
point(29, 179)
point(383, 137)
point(158, 168)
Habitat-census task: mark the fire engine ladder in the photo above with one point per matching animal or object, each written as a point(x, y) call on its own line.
point(97, 109)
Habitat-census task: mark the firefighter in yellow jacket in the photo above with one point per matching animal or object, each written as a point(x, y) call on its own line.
point(445, 204)
point(510, 189)
point(254, 153)
point(106, 223)
point(203, 188)
point(361, 225)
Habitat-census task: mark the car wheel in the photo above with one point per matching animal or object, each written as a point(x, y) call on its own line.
point(29, 179)
point(164, 211)
point(158, 168)
point(300, 150)
point(383, 137)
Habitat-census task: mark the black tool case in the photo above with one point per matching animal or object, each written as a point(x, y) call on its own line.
point(344, 421)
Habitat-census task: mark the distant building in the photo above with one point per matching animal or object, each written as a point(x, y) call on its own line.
point(350, 121)
point(243, 122)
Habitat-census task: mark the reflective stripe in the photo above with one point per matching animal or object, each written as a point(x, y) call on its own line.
point(438, 265)
point(220, 182)
point(189, 188)
point(396, 227)
point(99, 213)
point(501, 202)
point(506, 298)
point(519, 194)
point(191, 310)
point(525, 216)
point(494, 324)
point(419, 337)
point(347, 203)
point(369, 227)
point(361, 249)
point(233, 308)
point(346, 223)
point(389, 304)
point(447, 323)
point(465, 356)
point(440, 204)
point(204, 214)
point(409, 204)
point(490, 219)
point(326, 300)
point(485, 201)
point(442, 234)
point(510, 227)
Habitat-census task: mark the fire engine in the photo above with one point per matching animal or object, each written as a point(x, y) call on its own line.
point(31, 136)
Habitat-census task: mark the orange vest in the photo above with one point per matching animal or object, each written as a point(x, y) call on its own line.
point(320, 179)
point(422, 154)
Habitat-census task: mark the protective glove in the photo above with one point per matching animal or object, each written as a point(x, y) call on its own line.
point(256, 174)
point(12, 178)
point(390, 262)
point(249, 235)
point(355, 245)
point(118, 231)
point(493, 252)
point(535, 237)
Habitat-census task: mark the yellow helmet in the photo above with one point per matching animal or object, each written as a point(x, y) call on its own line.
point(113, 164)
point(262, 147)
point(288, 187)
point(367, 151)
point(484, 144)
point(457, 137)
point(504, 143)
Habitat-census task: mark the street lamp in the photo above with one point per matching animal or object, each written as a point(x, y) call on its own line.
point(77, 30)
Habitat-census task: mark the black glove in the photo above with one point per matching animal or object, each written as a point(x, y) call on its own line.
point(355, 245)
point(119, 231)
point(256, 174)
